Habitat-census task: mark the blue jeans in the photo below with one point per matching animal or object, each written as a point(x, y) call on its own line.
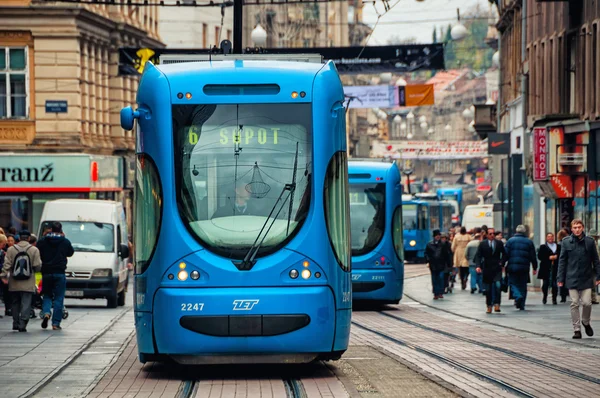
point(53, 289)
point(437, 280)
point(493, 293)
point(476, 279)
point(518, 285)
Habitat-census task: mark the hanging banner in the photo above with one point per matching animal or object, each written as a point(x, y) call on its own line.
point(370, 96)
point(416, 95)
point(428, 150)
point(401, 58)
point(540, 154)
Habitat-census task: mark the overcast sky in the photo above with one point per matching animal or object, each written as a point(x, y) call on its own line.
point(410, 18)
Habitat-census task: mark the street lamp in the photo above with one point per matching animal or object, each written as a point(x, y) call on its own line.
point(400, 82)
point(458, 32)
point(259, 36)
point(385, 77)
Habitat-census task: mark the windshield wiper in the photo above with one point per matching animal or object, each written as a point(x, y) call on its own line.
point(248, 262)
point(292, 190)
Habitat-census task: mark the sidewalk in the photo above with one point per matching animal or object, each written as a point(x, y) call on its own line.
point(29, 361)
point(548, 320)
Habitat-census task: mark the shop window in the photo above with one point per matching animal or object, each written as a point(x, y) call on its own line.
point(14, 82)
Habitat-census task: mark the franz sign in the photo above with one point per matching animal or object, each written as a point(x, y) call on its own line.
point(540, 154)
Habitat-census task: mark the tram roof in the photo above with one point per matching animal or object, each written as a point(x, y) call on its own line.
point(368, 166)
point(260, 68)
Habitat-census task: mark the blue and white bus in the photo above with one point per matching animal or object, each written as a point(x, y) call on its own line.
point(242, 224)
point(376, 231)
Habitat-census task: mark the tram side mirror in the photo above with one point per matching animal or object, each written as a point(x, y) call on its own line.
point(128, 115)
point(123, 251)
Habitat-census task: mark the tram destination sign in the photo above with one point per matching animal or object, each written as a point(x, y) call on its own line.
point(348, 60)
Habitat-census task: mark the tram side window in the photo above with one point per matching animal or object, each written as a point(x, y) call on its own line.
point(337, 208)
point(447, 212)
point(397, 235)
point(423, 217)
point(148, 206)
point(435, 217)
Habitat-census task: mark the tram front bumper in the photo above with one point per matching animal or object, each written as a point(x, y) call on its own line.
point(376, 284)
point(240, 321)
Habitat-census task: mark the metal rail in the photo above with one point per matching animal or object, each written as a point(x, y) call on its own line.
point(187, 389)
point(294, 388)
point(515, 390)
point(506, 351)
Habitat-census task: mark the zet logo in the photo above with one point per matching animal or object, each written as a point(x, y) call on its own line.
point(356, 277)
point(244, 305)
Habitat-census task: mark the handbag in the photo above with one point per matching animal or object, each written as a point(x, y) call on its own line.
point(504, 285)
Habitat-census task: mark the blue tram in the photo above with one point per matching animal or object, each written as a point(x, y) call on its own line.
point(242, 224)
point(419, 219)
point(376, 231)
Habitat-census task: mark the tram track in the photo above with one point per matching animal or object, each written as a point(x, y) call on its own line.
point(293, 388)
point(486, 377)
point(511, 353)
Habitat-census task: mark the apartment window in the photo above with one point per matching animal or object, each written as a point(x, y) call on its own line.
point(228, 34)
point(204, 35)
point(571, 63)
point(217, 35)
point(14, 82)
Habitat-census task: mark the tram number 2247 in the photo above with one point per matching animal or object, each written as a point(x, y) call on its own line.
point(247, 135)
point(192, 306)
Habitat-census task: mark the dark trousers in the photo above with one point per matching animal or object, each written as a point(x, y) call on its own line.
point(21, 308)
point(437, 280)
point(492, 293)
point(464, 274)
point(546, 283)
point(518, 285)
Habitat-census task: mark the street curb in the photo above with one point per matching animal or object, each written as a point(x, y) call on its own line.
point(42, 383)
point(116, 357)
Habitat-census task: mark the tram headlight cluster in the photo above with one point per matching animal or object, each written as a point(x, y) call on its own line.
point(412, 243)
point(305, 273)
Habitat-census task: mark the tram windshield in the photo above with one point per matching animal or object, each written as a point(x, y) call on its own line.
point(367, 216)
point(237, 164)
point(409, 217)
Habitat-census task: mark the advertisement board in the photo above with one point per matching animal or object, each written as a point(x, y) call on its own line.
point(540, 154)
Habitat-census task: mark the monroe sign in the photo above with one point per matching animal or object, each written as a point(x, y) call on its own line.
point(427, 150)
point(540, 154)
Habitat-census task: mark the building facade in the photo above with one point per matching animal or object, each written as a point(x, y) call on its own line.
point(195, 27)
point(552, 48)
point(60, 95)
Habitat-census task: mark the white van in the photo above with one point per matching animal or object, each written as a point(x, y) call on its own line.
point(477, 215)
point(97, 230)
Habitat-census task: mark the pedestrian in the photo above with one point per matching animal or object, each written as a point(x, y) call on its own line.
point(20, 264)
point(500, 237)
point(563, 292)
point(578, 265)
point(548, 255)
point(436, 256)
point(470, 256)
point(491, 257)
point(449, 269)
point(520, 253)
point(459, 245)
point(3, 287)
point(54, 249)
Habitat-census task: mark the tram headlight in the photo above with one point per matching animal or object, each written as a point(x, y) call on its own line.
point(195, 275)
point(293, 274)
point(412, 243)
point(182, 275)
point(306, 274)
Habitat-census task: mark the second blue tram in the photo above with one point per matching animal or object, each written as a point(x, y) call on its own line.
point(419, 219)
point(376, 231)
point(242, 216)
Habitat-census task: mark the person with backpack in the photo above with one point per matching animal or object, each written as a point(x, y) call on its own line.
point(20, 264)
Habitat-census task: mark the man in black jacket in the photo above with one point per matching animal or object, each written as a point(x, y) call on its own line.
point(578, 264)
point(54, 249)
point(492, 257)
point(438, 256)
